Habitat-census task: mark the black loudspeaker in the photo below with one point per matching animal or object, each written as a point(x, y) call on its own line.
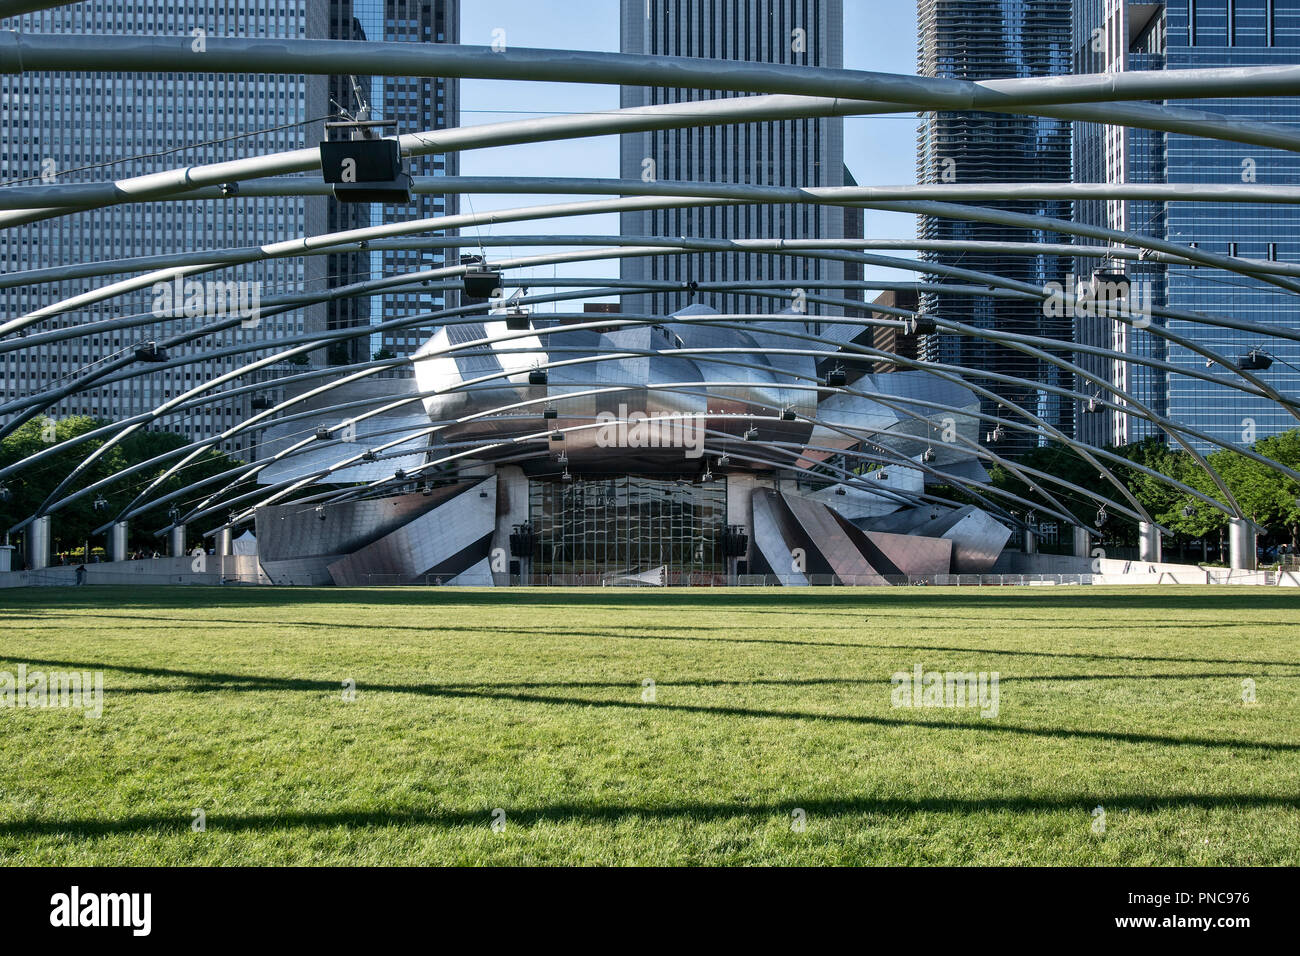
point(482, 284)
point(365, 170)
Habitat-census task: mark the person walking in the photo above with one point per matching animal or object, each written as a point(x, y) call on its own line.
point(81, 574)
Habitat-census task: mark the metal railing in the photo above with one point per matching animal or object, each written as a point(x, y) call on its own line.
point(1203, 576)
point(156, 573)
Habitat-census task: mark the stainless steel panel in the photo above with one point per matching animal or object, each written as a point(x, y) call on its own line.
point(317, 456)
point(441, 543)
point(977, 538)
point(772, 540)
point(296, 545)
point(834, 543)
point(911, 554)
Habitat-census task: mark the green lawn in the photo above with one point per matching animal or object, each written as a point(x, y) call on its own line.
point(230, 700)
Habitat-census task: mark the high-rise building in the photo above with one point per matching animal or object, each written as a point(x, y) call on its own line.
point(985, 40)
point(87, 127)
point(890, 338)
point(413, 103)
point(805, 152)
point(1119, 36)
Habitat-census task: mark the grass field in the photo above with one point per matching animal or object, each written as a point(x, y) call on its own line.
point(231, 701)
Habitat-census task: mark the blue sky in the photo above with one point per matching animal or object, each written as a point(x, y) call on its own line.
point(878, 35)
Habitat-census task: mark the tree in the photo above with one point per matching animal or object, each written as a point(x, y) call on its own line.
point(27, 490)
point(1266, 496)
point(1065, 463)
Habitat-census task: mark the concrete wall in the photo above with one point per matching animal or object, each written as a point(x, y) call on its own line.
point(232, 568)
point(1119, 571)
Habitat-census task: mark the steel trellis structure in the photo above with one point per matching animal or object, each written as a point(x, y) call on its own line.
point(782, 92)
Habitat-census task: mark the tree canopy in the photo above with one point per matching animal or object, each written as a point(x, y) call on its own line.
point(27, 490)
point(1266, 496)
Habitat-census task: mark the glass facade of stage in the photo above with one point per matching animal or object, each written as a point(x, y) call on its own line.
point(624, 525)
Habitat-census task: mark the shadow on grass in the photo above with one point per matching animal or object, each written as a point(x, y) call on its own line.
point(206, 682)
point(945, 623)
point(179, 823)
point(758, 600)
point(525, 633)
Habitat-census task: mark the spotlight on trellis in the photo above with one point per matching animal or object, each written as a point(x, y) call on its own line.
point(151, 352)
point(921, 325)
point(1256, 360)
point(482, 283)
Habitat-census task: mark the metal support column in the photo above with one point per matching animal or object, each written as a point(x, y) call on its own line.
point(117, 538)
point(38, 543)
point(1241, 544)
point(1149, 543)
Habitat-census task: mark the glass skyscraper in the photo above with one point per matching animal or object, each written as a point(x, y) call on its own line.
point(984, 40)
point(414, 103)
point(110, 126)
point(1186, 34)
point(808, 152)
point(1121, 36)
